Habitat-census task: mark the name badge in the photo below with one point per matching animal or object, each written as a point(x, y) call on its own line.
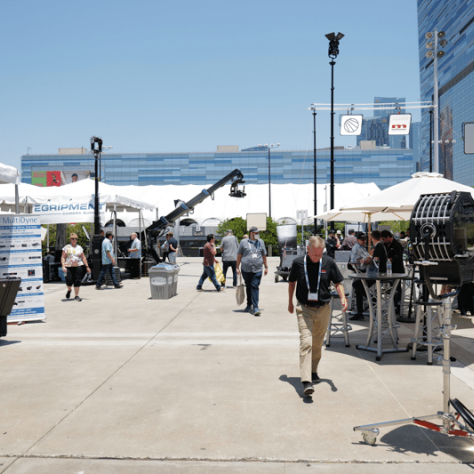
point(312, 297)
point(254, 255)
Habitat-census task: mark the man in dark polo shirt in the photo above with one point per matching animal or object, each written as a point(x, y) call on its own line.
point(312, 275)
point(208, 264)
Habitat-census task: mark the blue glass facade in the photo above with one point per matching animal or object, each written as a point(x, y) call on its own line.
point(385, 167)
point(455, 82)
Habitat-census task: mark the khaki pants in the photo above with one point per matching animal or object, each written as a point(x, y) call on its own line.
point(312, 324)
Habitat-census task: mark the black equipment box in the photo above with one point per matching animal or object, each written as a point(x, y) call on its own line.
point(8, 291)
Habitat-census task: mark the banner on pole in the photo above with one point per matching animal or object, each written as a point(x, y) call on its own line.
point(351, 124)
point(399, 124)
point(468, 138)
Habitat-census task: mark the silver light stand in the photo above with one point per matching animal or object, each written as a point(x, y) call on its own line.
point(451, 425)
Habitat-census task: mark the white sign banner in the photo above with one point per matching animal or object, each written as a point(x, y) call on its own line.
point(351, 124)
point(21, 257)
point(469, 138)
point(68, 212)
point(399, 124)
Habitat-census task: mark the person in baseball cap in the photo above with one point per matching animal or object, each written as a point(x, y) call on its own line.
point(252, 255)
point(332, 244)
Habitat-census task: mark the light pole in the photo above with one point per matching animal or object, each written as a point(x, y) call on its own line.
point(269, 147)
point(332, 53)
point(96, 149)
point(435, 39)
point(315, 172)
point(28, 150)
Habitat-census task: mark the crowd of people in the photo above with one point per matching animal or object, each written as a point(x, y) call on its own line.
point(310, 278)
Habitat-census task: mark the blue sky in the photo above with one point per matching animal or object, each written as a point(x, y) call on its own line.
point(163, 76)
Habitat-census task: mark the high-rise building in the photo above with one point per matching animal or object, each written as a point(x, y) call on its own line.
point(455, 82)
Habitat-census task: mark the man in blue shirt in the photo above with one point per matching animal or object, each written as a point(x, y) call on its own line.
point(108, 262)
point(135, 253)
point(253, 256)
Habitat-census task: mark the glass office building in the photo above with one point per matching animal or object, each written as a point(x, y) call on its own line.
point(456, 83)
point(385, 167)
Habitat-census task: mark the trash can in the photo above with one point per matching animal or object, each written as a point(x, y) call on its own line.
point(164, 281)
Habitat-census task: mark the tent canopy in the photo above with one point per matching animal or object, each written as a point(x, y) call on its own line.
point(286, 200)
point(403, 196)
point(9, 174)
point(363, 216)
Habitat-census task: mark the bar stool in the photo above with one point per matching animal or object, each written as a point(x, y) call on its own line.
point(337, 323)
point(426, 334)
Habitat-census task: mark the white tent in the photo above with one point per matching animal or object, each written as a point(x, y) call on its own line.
point(403, 196)
point(9, 174)
point(70, 203)
point(287, 199)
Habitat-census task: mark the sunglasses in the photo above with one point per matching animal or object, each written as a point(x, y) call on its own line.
point(73, 238)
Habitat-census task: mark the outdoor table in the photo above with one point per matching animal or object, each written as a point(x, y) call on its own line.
point(381, 320)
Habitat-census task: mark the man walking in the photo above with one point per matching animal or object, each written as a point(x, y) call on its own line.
point(312, 275)
point(208, 264)
point(135, 253)
point(229, 247)
point(108, 262)
point(252, 255)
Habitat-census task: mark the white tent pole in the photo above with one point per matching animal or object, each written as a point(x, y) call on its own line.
point(47, 242)
point(17, 200)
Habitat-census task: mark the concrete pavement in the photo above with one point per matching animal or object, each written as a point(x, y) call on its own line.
point(122, 383)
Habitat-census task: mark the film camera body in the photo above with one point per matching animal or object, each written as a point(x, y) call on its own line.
point(442, 236)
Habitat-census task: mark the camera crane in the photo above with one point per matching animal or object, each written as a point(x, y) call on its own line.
point(159, 227)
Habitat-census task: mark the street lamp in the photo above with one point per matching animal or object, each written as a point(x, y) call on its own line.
point(269, 147)
point(315, 169)
point(332, 53)
point(435, 40)
point(96, 149)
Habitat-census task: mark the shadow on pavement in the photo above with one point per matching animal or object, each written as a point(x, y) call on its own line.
point(413, 439)
point(295, 382)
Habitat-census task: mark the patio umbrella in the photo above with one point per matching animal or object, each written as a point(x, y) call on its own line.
point(363, 216)
point(403, 196)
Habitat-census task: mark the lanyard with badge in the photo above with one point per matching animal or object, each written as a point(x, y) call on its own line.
point(313, 296)
point(257, 245)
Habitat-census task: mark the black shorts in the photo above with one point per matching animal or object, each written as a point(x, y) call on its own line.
point(74, 276)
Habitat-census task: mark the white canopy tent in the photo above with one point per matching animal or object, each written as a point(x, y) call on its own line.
point(287, 199)
point(403, 196)
point(9, 174)
point(70, 203)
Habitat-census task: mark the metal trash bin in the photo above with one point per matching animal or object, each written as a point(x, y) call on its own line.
point(163, 281)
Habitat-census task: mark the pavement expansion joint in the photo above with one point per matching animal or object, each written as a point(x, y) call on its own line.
point(228, 459)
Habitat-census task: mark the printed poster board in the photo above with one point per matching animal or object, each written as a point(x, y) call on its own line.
point(20, 256)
